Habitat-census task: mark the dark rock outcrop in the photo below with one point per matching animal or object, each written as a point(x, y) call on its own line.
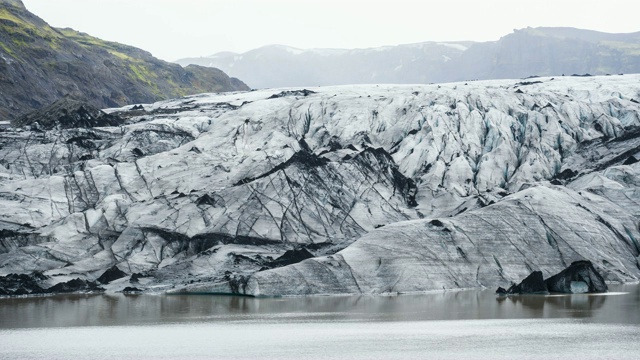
point(21, 284)
point(566, 174)
point(532, 284)
point(113, 273)
point(135, 277)
point(579, 277)
point(31, 284)
point(75, 285)
point(290, 257)
point(206, 199)
point(67, 113)
point(131, 290)
point(630, 160)
point(303, 92)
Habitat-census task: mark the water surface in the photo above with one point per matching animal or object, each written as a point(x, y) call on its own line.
point(465, 324)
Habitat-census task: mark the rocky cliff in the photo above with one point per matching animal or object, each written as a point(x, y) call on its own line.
point(390, 189)
point(40, 64)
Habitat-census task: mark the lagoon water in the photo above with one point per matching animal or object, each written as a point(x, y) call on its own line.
point(449, 325)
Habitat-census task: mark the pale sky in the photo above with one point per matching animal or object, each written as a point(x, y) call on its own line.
point(173, 29)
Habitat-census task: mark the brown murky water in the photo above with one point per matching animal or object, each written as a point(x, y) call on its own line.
point(466, 324)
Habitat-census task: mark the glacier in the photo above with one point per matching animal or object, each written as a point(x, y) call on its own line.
point(392, 189)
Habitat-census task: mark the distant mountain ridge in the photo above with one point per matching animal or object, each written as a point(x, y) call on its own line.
point(526, 52)
point(282, 66)
point(40, 64)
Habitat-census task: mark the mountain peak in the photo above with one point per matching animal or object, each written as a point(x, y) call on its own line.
point(285, 48)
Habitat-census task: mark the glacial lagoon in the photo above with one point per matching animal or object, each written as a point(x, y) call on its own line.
point(444, 325)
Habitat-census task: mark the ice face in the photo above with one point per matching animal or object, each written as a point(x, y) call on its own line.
point(579, 287)
point(212, 188)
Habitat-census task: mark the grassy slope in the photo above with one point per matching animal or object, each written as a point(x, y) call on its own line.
point(39, 64)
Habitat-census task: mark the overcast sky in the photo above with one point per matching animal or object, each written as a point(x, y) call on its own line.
point(173, 29)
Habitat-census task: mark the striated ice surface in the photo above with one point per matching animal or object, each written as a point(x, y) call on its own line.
point(541, 228)
point(422, 187)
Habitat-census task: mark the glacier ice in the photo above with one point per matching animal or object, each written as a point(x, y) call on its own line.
point(393, 188)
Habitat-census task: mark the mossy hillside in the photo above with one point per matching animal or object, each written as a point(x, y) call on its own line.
point(89, 42)
point(138, 63)
point(142, 67)
point(14, 26)
point(40, 64)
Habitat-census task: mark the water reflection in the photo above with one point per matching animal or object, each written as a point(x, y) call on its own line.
point(577, 306)
point(107, 310)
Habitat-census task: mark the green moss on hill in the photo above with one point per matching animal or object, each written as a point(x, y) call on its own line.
point(40, 64)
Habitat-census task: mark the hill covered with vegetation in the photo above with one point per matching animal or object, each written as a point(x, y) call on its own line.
point(40, 64)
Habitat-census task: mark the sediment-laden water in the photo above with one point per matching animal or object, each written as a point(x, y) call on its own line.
point(465, 324)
